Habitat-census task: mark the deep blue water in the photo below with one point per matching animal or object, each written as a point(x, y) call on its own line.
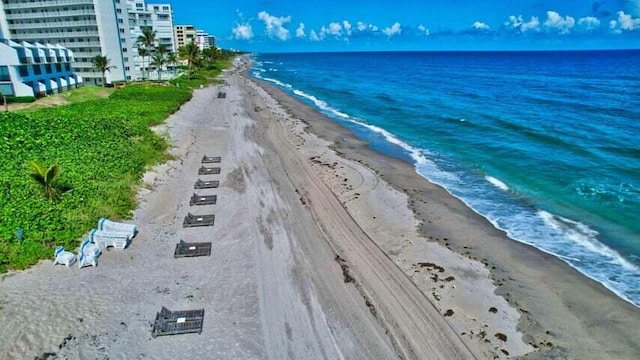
point(545, 145)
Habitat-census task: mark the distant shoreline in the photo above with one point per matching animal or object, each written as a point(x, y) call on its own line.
point(515, 267)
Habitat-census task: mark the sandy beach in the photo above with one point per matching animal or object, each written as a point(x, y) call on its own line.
point(321, 249)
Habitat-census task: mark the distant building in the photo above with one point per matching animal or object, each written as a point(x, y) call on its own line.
point(157, 16)
point(89, 28)
point(162, 22)
point(204, 40)
point(35, 69)
point(184, 34)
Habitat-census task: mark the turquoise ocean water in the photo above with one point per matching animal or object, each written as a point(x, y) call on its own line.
point(545, 145)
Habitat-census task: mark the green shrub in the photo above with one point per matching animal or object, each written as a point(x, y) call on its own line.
point(20, 99)
point(103, 146)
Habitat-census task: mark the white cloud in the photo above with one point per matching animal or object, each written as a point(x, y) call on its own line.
point(335, 29)
point(393, 30)
point(300, 31)
point(557, 23)
point(589, 23)
point(313, 36)
point(624, 22)
point(518, 23)
point(423, 29)
point(242, 32)
point(347, 27)
point(275, 25)
point(362, 26)
point(480, 26)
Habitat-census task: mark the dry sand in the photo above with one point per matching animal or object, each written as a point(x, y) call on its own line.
point(314, 255)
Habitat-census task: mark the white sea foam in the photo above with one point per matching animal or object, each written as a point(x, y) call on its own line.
point(277, 82)
point(584, 237)
point(497, 183)
point(569, 240)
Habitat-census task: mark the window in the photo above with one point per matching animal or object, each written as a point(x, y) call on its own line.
point(24, 71)
point(126, 59)
point(37, 70)
point(58, 68)
point(47, 68)
point(4, 73)
point(126, 68)
point(124, 50)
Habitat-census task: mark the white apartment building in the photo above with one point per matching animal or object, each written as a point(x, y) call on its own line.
point(162, 20)
point(35, 69)
point(157, 16)
point(88, 28)
point(204, 40)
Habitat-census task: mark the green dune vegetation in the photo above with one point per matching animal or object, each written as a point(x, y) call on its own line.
point(66, 166)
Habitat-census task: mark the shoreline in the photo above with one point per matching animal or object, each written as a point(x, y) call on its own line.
point(587, 303)
point(313, 256)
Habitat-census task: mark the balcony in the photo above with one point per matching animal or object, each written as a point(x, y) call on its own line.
point(85, 54)
point(84, 64)
point(84, 44)
point(47, 37)
point(44, 3)
point(48, 14)
point(54, 24)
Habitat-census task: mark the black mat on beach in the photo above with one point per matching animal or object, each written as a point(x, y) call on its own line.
point(177, 322)
point(200, 184)
point(203, 199)
point(211, 160)
point(208, 171)
point(222, 95)
point(185, 249)
point(198, 220)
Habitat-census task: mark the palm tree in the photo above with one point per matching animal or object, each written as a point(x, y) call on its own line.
point(210, 54)
point(162, 49)
point(101, 63)
point(190, 53)
point(142, 52)
point(148, 38)
point(172, 60)
point(47, 178)
point(158, 61)
point(146, 43)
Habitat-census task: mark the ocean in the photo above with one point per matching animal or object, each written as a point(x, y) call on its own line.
point(545, 145)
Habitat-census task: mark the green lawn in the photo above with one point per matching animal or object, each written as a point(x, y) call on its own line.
point(103, 146)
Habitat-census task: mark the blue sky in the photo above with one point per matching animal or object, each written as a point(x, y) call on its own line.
point(384, 25)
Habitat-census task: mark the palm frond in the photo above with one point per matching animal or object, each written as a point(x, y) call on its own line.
point(53, 173)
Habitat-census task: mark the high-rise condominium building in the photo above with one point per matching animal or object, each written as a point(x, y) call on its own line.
point(88, 28)
point(157, 16)
point(184, 34)
point(204, 40)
